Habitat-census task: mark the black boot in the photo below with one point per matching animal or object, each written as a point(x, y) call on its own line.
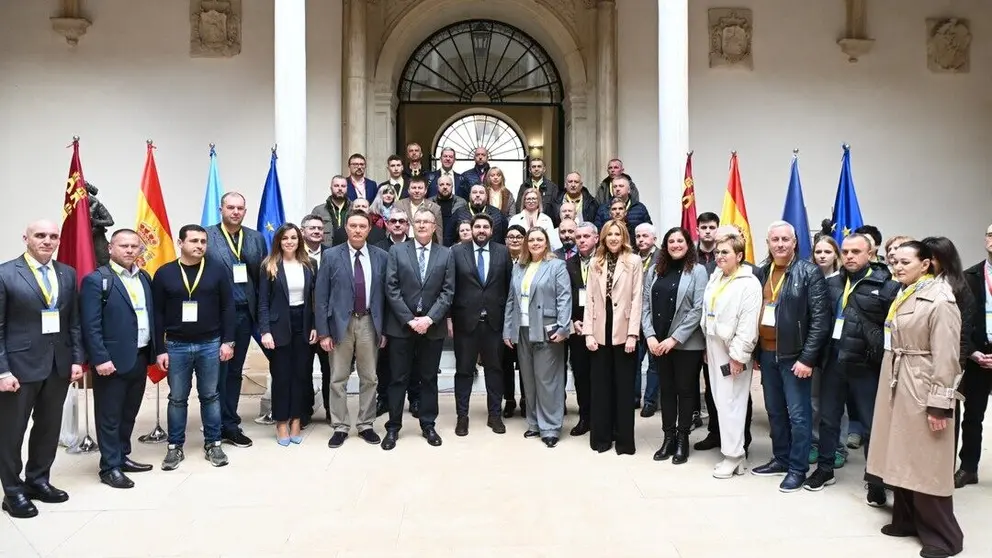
point(667, 446)
point(681, 447)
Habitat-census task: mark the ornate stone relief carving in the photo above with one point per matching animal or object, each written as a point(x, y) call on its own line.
point(214, 28)
point(948, 45)
point(731, 30)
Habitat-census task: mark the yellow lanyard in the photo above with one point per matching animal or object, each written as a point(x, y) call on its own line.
point(338, 211)
point(230, 242)
point(781, 281)
point(721, 286)
point(647, 261)
point(131, 292)
point(584, 266)
point(907, 292)
point(528, 275)
point(578, 206)
point(41, 284)
point(199, 274)
point(848, 289)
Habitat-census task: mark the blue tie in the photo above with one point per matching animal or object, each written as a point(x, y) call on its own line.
point(481, 264)
point(48, 285)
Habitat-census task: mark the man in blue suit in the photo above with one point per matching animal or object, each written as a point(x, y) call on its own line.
point(350, 309)
point(240, 250)
point(359, 185)
point(119, 338)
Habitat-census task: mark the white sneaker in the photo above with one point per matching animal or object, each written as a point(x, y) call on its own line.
point(727, 468)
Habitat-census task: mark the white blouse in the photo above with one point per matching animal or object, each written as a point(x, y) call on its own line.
point(294, 280)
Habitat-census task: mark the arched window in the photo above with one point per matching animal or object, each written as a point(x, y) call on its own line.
point(505, 146)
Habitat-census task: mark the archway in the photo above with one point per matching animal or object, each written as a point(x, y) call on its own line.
point(501, 138)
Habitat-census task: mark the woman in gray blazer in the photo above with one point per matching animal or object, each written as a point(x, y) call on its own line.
point(670, 312)
point(538, 315)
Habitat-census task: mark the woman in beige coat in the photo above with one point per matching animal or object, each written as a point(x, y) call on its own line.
point(612, 327)
point(912, 449)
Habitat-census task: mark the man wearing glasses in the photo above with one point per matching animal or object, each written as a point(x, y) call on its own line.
point(313, 237)
point(359, 185)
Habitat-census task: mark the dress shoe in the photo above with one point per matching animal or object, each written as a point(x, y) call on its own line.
point(550, 441)
point(389, 442)
point(707, 443)
point(381, 408)
point(461, 426)
point(496, 423)
point(415, 409)
point(681, 447)
point(893, 530)
point(43, 491)
point(369, 436)
point(114, 478)
point(337, 439)
point(963, 478)
point(17, 504)
point(582, 427)
point(531, 434)
point(667, 447)
point(431, 436)
point(509, 408)
point(130, 466)
point(649, 410)
point(929, 551)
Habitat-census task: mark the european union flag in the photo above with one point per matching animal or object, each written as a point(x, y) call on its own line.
point(795, 212)
point(211, 202)
point(847, 212)
point(270, 213)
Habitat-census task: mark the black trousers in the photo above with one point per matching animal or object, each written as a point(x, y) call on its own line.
point(930, 517)
point(975, 387)
point(678, 386)
point(842, 386)
point(485, 343)
point(611, 407)
point(412, 356)
point(291, 378)
point(116, 402)
point(581, 366)
point(44, 401)
point(325, 378)
point(510, 376)
point(713, 426)
point(714, 420)
point(384, 375)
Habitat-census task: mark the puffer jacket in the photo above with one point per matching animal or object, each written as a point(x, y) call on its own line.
point(861, 343)
point(802, 312)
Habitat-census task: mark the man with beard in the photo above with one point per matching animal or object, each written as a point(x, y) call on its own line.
point(447, 169)
point(478, 203)
point(449, 203)
point(359, 185)
point(566, 235)
point(334, 209)
point(477, 174)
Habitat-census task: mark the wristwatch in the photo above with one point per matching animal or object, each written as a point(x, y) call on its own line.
point(230, 344)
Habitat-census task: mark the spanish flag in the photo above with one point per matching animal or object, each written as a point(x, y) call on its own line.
point(734, 212)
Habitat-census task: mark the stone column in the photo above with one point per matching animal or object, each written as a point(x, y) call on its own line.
point(291, 104)
point(673, 108)
point(606, 85)
point(356, 78)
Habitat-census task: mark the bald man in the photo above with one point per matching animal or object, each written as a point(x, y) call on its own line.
point(41, 351)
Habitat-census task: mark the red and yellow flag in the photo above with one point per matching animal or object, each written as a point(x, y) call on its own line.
point(76, 245)
point(734, 212)
point(689, 201)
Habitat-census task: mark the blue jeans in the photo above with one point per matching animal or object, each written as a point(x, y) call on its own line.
point(185, 358)
point(651, 387)
point(790, 412)
point(229, 380)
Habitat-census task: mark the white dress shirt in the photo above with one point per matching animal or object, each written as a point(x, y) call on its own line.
point(315, 254)
point(366, 270)
point(295, 281)
point(136, 291)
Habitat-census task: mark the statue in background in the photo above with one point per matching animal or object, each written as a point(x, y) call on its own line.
point(100, 221)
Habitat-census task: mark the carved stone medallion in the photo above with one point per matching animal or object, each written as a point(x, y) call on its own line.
point(948, 45)
point(214, 28)
point(730, 37)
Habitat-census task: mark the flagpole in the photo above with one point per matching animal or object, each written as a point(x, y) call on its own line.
point(157, 435)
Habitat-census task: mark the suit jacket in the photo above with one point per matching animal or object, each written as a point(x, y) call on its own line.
point(371, 189)
point(24, 351)
point(110, 331)
point(427, 204)
point(461, 189)
point(550, 302)
point(472, 296)
point(405, 291)
point(688, 309)
point(335, 292)
point(628, 280)
point(974, 276)
point(253, 251)
point(574, 268)
point(273, 305)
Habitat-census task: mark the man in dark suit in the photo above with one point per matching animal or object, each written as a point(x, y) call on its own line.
point(119, 333)
point(586, 238)
point(313, 236)
point(479, 203)
point(420, 282)
point(447, 169)
point(482, 281)
point(359, 185)
point(41, 351)
point(397, 179)
point(350, 308)
point(240, 250)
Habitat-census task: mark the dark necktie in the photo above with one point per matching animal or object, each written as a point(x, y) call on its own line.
point(481, 264)
point(360, 304)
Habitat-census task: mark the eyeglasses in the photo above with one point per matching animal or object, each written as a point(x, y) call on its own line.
point(398, 221)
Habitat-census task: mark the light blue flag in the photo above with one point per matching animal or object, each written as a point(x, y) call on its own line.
point(270, 212)
point(795, 211)
point(847, 212)
point(211, 201)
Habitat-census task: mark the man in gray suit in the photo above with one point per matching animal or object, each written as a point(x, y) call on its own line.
point(350, 308)
point(41, 351)
point(420, 283)
point(241, 251)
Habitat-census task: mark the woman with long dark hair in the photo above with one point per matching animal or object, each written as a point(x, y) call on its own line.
point(285, 320)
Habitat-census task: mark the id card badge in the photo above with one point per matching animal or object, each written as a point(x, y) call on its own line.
point(988, 324)
point(189, 311)
point(582, 299)
point(50, 322)
point(887, 337)
point(838, 327)
point(240, 273)
point(768, 316)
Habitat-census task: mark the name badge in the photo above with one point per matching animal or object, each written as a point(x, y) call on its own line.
point(988, 324)
point(50, 322)
point(887, 338)
point(838, 327)
point(189, 311)
point(240, 273)
point(768, 315)
point(582, 298)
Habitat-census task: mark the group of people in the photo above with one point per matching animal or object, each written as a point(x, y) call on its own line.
point(557, 276)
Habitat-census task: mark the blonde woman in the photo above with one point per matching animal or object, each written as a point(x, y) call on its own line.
point(499, 195)
point(890, 248)
point(531, 216)
point(382, 205)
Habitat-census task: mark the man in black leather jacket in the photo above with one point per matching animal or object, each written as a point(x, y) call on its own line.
point(793, 329)
point(860, 296)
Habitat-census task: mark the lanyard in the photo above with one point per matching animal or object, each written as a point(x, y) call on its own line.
point(907, 292)
point(647, 261)
point(577, 203)
point(196, 281)
point(848, 289)
point(41, 284)
point(230, 242)
point(528, 275)
point(126, 279)
point(584, 266)
point(781, 280)
point(721, 286)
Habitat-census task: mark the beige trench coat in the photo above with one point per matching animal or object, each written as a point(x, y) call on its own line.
point(921, 370)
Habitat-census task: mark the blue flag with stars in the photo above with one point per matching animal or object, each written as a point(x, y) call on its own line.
point(847, 212)
point(795, 212)
point(270, 213)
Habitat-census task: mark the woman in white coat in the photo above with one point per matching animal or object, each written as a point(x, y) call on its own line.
point(732, 303)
